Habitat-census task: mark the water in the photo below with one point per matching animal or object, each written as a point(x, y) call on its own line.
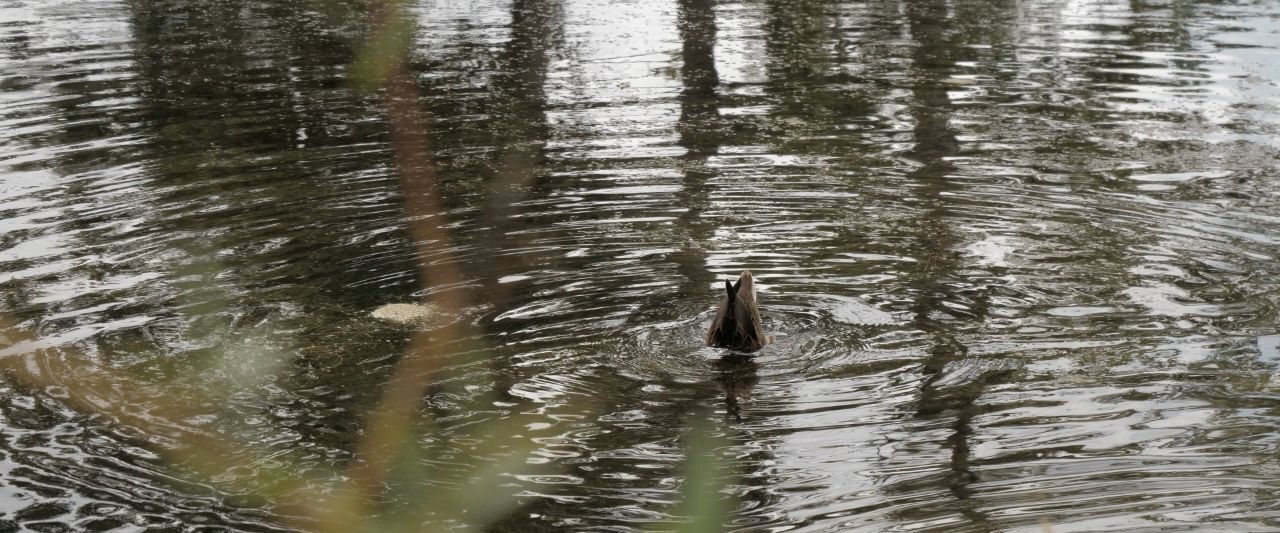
point(1019, 258)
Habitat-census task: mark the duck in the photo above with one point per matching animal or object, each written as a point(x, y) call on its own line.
point(737, 324)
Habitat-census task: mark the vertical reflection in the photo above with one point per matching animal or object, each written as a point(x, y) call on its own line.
point(701, 135)
point(698, 130)
point(699, 107)
point(936, 243)
point(519, 125)
point(799, 63)
point(520, 103)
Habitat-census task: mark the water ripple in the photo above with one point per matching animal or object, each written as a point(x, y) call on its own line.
point(1018, 261)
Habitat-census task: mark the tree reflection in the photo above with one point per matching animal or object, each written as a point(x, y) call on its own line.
point(215, 185)
point(702, 131)
point(939, 294)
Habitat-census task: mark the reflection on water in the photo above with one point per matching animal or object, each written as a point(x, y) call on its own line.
point(1019, 257)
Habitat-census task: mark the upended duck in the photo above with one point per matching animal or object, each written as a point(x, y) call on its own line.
point(737, 323)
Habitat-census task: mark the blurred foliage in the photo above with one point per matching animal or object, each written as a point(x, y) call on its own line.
point(703, 505)
point(387, 47)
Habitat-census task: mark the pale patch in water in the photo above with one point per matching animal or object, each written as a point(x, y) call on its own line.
point(405, 313)
point(992, 251)
point(854, 311)
point(1075, 311)
point(1269, 348)
point(1163, 299)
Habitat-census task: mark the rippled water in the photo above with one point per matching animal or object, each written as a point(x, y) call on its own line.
point(1019, 258)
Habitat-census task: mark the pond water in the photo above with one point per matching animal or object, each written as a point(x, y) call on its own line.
point(1019, 257)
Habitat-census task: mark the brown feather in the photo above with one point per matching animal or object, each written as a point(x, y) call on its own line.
point(737, 324)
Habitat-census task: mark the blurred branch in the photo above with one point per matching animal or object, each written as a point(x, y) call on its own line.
point(389, 424)
point(385, 52)
point(702, 503)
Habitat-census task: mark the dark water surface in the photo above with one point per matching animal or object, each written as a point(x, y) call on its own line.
point(1020, 258)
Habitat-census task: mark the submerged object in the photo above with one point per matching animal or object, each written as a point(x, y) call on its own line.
point(408, 314)
point(737, 323)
